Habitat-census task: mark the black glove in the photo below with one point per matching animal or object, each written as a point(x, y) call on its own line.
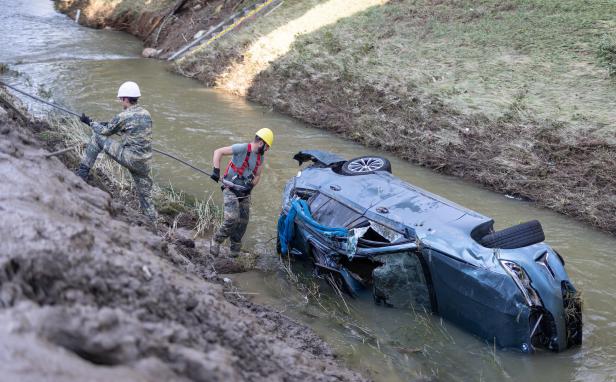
point(215, 174)
point(85, 119)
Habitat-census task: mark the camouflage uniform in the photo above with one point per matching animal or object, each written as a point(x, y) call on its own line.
point(236, 216)
point(134, 152)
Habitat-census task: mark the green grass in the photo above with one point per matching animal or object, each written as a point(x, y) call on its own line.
point(478, 56)
point(607, 53)
point(549, 59)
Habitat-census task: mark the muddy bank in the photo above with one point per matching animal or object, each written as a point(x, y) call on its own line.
point(545, 161)
point(84, 295)
point(163, 25)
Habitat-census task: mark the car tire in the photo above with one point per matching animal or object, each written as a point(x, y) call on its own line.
point(365, 165)
point(518, 236)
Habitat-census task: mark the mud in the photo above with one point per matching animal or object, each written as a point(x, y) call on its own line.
point(85, 295)
point(165, 30)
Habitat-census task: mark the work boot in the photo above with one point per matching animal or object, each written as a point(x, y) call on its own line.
point(152, 226)
point(214, 248)
point(83, 172)
point(234, 249)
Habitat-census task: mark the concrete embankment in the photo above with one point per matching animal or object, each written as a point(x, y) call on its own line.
point(87, 294)
point(374, 76)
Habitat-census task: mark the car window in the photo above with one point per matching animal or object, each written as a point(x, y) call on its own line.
point(332, 213)
point(400, 282)
point(317, 201)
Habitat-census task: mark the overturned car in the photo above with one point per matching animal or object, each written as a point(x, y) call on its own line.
point(369, 230)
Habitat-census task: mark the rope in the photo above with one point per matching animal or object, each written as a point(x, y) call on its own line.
point(40, 99)
point(224, 181)
point(53, 154)
point(181, 161)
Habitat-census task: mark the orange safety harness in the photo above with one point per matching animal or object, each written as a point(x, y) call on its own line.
point(244, 166)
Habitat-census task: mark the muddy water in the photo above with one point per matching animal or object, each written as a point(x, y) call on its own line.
point(82, 68)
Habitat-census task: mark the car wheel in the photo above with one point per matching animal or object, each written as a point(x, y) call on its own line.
point(518, 236)
point(366, 165)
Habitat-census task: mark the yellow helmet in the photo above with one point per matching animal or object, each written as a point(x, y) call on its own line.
point(267, 135)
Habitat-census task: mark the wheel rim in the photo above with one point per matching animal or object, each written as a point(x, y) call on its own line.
point(366, 164)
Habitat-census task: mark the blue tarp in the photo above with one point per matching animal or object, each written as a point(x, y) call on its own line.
point(299, 209)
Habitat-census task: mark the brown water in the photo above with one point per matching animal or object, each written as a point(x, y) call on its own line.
point(83, 69)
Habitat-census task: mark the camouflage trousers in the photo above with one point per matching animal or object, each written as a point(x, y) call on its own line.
point(236, 216)
point(138, 169)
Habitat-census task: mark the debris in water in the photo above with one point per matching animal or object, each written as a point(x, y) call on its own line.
point(146, 271)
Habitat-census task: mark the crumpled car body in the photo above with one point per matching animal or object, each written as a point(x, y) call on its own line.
point(416, 250)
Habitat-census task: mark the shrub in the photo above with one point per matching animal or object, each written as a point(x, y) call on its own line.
point(607, 53)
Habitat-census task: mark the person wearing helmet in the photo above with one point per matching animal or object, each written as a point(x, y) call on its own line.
point(244, 171)
point(134, 151)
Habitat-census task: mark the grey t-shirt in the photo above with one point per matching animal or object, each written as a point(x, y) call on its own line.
point(240, 150)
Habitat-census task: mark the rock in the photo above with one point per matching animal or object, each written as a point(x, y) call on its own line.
point(150, 53)
point(227, 266)
point(4, 116)
point(198, 34)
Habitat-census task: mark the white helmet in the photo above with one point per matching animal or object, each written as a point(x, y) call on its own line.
point(129, 89)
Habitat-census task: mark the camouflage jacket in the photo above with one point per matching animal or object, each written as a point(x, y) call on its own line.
point(134, 125)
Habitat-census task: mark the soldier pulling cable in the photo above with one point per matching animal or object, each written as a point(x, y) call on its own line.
point(135, 150)
point(134, 124)
point(244, 169)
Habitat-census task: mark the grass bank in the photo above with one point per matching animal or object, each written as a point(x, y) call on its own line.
point(513, 95)
point(516, 95)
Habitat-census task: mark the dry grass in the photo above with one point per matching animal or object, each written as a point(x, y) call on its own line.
point(607, 53)
point(209, 216)
point(99, 9)
point(475, 57)
point(268, 48)
point(208, 65)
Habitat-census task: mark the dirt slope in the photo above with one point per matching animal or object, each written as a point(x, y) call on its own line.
point(164, 25)
point(86, 296)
